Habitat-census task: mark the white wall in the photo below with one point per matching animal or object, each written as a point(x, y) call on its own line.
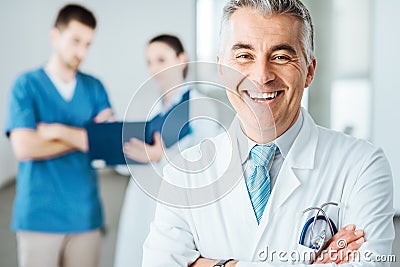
point(319, 96)
point(117, 54)
point(386, 87)
point(351, 88)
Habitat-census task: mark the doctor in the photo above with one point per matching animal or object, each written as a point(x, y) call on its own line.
point(249, 206)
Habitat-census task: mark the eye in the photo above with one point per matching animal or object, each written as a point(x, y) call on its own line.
point(243, 57)
point(281, 59)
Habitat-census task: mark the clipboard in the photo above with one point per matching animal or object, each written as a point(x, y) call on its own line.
point(106, 139)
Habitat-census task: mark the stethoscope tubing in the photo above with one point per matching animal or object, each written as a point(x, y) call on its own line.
point(309, 222)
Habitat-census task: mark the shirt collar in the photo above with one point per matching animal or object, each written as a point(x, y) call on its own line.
point(283, 142)
point(176, 98)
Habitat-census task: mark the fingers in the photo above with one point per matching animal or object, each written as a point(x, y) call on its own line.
point(104, 115)
point(134, 141)
point(345, 236)
point(342, 246)
point(203, 262)
point(157, 149)
point(140, 151)
point(132, 145)
point(340, 256)
point(350, 252)
point(157, 136)
point(157, 139)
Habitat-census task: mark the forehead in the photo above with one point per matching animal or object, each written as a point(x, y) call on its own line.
point(77, 28)
point(160, 48)
point(249, 26)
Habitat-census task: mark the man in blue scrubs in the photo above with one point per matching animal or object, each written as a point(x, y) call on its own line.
point(57, 210)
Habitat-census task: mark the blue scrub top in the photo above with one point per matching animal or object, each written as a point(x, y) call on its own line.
point(60, 194)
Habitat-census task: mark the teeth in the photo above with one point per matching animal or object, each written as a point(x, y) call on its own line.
point(262, 96)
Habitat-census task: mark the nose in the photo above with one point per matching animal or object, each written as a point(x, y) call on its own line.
point(152, 69)
point(262, 72)
point(82, 51)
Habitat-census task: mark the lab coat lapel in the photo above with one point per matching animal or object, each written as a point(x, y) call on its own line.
point(285, 185)
point(241, 197)
point(301, 156)
point(240, 193)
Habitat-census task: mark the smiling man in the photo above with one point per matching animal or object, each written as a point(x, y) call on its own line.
point(276, 64)
point(291, 184)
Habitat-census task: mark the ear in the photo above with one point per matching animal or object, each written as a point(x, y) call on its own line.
point(183, 57)
point(218, 59)
point(310, 72)
point(54, 35)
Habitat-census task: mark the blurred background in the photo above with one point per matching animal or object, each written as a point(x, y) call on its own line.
point(355, 88)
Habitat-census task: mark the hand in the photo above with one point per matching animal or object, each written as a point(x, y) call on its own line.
point(76, 138)
point(204, 262)
point(106, 115)
point(142, 152)
point(341, 246)
point(49, 131)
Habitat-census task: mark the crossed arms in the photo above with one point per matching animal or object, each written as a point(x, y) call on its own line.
point(50, 140)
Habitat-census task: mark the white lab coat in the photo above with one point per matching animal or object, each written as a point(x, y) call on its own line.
point(321, 166)
point(138, 207)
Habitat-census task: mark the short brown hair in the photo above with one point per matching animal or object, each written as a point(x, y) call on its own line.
point(72, 12)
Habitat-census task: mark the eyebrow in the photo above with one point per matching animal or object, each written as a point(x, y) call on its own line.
point(285, 47)
point(242, 46)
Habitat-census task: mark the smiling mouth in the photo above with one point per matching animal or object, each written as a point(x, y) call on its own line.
point(262, 97)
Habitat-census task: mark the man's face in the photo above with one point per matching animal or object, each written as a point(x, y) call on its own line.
point(268, 52)
point(72, 43)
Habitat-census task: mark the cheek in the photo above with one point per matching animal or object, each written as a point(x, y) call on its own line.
point(67, 48)
point(234, 99)
point(237, 102)
point(295, 79)
point(155, 68)
point(231, 96)
point(63, 50)
point(151, 71)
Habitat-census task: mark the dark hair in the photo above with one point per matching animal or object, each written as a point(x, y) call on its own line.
point(72, 12)
point(173, 42)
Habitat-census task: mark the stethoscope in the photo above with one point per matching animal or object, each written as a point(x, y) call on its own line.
point(317, 242)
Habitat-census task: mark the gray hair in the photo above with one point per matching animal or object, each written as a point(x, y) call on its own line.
point(277, 7)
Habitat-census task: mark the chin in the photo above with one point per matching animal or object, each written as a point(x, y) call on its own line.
point(262, 127)
point(73, 67)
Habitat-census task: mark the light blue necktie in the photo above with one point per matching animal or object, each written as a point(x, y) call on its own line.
point(259, 183)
